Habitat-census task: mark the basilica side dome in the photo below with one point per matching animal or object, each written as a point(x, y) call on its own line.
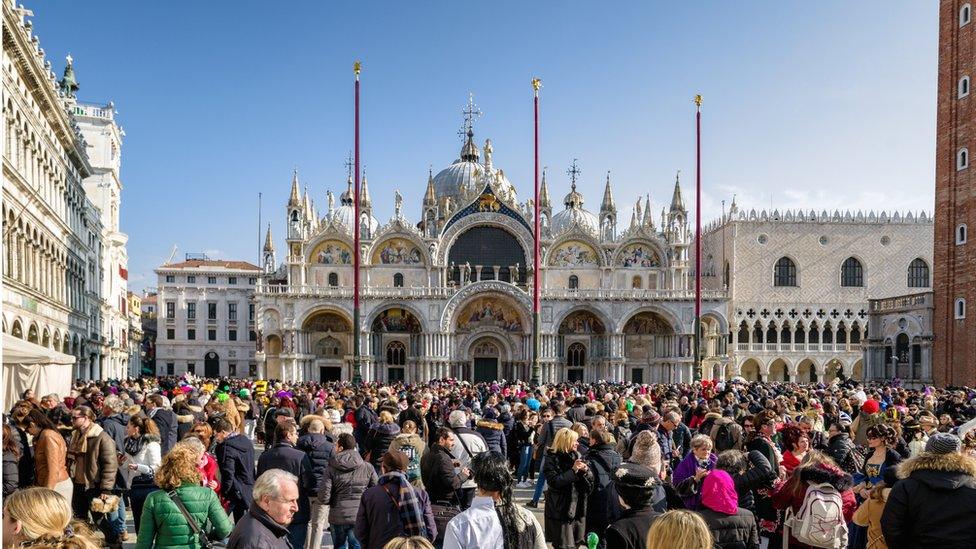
point(575, 214)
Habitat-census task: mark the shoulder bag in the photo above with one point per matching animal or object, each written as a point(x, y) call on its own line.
point(205, 542)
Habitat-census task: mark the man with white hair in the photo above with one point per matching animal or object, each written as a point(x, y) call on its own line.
point(265, 526)
point(469, 444)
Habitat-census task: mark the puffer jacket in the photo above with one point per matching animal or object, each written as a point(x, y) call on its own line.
point(378, 441)
point(319, 447)
point(343, 484)
point(494, 434)
point(568, 490)
point(839, 448)
point(163, 524)
point(738, 531)
point(115, 427)
point(934, 503)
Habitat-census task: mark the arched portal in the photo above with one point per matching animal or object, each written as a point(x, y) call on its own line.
point(16, 330)
point(750, 370)
point(581, 342)
point(490, 252)
point(778, 370)
point(272, 356)
point(485, 355)
point(650, 345)
point(329, 337)
point(806, 371)
point(395, 337)
point(211, 365)
point(857, 372)
point(833, 370)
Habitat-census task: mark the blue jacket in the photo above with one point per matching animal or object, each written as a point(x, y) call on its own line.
point(235, 459)
point(319, 447)
point(494, 435)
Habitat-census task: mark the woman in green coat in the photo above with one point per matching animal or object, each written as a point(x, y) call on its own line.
point(163, 525)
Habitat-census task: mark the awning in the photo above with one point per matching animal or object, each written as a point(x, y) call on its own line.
point(27, 365)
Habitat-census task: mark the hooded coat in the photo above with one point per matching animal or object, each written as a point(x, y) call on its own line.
point(934, 504)
point(378, 441)
point(819, 474)
point(600, 509)
point(732, 526)
point(235, 458)
point(566, 496)
point(494, 434)
point(319, 447)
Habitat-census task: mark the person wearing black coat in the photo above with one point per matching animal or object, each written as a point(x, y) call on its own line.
point(934, 503)
point(840, 447)
point(636, 487)
point(319, 447)
point(235, 460)
point(11, 454)
point(343, 485)
point(749, 471)
point(380, 437)
point(570, 481)
point(441, 480)
point(493, 432)
point(602, 506)
point(285, 456)
point(365, 417)
point(165, 421)
point(413, 413)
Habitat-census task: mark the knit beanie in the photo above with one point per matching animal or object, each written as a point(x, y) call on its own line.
point(943, 443)
point(870, 406)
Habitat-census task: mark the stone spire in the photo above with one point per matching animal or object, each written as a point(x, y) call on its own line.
point(364, 199)
point(648, 218)
point(294, 199)
point(677, 203)
point(307, 203)
point(544, 201)
point(608, 205)
point(268, 241)
point(69, 83)
point(430, 197)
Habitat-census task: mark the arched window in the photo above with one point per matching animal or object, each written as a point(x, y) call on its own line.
point(576, 355)
point(334, 280)
point(962, 159)
point(965, 15)
point(396, 354)
point(785, 272)
point(918, 273)
point(962, 233)
point(963, 87)
point(960, 308)
point(852, 273)
point(637, 283)
point(398, 280)
point(573, 282)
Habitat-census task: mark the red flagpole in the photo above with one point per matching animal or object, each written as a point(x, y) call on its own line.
point(357, 359)
point(698, 296)
point(536, 367)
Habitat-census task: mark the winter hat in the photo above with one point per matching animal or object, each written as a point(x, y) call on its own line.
point(635, 484)
point(334, 415)
point(718, 493)
point(943, 443)
point(870, 406)
point(491, 413)
point(845, 419)
point(646, 451)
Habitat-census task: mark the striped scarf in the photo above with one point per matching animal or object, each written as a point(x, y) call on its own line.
point(404, 498)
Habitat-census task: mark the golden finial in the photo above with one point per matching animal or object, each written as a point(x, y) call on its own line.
point(356, 67)
point(698, 100)
point(536, 84)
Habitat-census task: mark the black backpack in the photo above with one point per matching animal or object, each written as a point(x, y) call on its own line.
point(724, 438)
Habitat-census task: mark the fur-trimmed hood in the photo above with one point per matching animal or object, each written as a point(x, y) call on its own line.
point(485, 424)
point(940, 471)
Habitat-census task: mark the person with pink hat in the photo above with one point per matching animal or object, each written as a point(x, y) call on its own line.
point(731, 525)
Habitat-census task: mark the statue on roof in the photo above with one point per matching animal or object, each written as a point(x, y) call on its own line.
point(69, 83)
point(398, 203)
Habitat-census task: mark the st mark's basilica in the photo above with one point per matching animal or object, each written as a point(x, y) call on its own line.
point(450, 294)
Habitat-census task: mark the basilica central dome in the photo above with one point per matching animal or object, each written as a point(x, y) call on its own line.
point(466, 177)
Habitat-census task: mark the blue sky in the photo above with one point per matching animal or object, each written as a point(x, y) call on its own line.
point(818, 105)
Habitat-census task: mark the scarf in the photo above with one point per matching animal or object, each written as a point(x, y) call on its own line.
point(78, 452)
point(405, 500)
point(133, 446)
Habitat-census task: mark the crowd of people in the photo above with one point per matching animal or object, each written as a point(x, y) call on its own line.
point(250, 464)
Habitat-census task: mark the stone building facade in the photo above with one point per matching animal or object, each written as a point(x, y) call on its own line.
point(900, 342)
point(205, 321)
point(799, 283)
point(450, 295)
point(954, 361)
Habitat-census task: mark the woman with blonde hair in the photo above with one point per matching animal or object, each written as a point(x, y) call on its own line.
point(167, 512)
point(570, 481)
point(679, 529)
point(41, 518)
point(412, 542)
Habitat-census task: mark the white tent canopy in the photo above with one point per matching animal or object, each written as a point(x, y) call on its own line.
point(27, 365)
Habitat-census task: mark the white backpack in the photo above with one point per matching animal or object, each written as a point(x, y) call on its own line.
point(820, 520)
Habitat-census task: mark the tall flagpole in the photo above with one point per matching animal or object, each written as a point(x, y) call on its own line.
point(357, 372)
point(537, 271)
point(698, 296)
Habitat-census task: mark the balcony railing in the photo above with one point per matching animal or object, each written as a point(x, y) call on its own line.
point(601, 294)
